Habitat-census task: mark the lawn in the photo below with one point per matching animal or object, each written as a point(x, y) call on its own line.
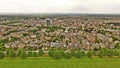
point(63, 63)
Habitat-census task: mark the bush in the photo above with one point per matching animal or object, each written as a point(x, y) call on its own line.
point(117, 46)
point(34, 54)
point(19, 52)
point(57, 55)
point(67, 55)
point(89, 54)
point(62, 52)
point(11, 53)
point(83, 53)
point(29, 53)
point(25, 34)
point(101, 53)
point(72, 52)
point(40, 53)
point(116, 53)
point(51, 52)
point(78, 54)
point(1, 55)
point(110, 53)
point(23, 54)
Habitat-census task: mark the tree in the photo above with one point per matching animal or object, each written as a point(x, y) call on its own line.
point(104, 51)
point(83, 53)
point(78, 54)
point(116, 53)
point(1, 55)
point(62, 52)
point(101, 53)
point(57, 55)
point(19, 52)
point(67, 55)
point(51, 52)
point(110, 53)
point(11, 53)
point(40, 53)
point(89, 54)
point(29, 53)
point(94, 53)
point(72, 52)
point(34, 54)
point(23, 54)
point(25, 34)
point(117, 45)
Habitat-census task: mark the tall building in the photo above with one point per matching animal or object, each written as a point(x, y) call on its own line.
point(0, 32)
point(48, 21)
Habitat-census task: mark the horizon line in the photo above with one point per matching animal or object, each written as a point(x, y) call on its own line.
point(17, 13)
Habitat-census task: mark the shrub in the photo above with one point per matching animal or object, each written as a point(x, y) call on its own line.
point(89, 54)
point(51, 52)
point(78, 54)
point(34, 54)
point(11, 53)
point(1, 55)
point(40, 53)
point(110, 53)
point(67, 55)
point(29, 53)
point(57, 55)
point(83, 53)
point(101, 53)
point(62, 52)
point(72, 52)
point(117, 46)
point(23, 54)
point(19, 52)
point(116, 53)
point(25, 34)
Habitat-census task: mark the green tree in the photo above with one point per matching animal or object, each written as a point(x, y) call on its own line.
point(67, 55)
point(110, 53)
point(1, 55)
point(23, 54)
point(25, 34)
point(29, 53)
point(51, 52)
point(116, 53)
point(101, 53)
point(104, 51)
point(89, 54)
point(11, 53)
point(57, 55)
point(19, 52)
point(62, 52)
point(72, 52)
point(78, 54)
point(83, 53)
point(40, 53)
point(117, 45)
point(34, 54)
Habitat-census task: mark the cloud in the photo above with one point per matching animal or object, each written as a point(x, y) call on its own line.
point(60, 6)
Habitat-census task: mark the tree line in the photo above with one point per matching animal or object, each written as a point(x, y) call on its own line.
point(59, 54)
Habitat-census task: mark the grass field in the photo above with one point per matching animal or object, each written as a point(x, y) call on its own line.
point(63, 63)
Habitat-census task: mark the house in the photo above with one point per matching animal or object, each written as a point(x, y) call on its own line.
point(0, 32)
point(56, 44)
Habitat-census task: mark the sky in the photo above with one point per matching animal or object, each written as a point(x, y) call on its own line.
point(60, 6)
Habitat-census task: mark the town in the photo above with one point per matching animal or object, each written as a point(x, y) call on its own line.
point(69, 32)
point(43, 39)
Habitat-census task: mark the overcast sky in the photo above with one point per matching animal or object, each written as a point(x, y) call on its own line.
point(60, 6)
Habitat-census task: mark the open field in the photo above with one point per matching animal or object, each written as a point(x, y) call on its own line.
point(63, 63)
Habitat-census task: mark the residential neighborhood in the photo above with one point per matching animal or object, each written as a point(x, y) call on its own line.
point(68, 32)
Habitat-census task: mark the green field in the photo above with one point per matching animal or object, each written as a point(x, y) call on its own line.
point(63, 63)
